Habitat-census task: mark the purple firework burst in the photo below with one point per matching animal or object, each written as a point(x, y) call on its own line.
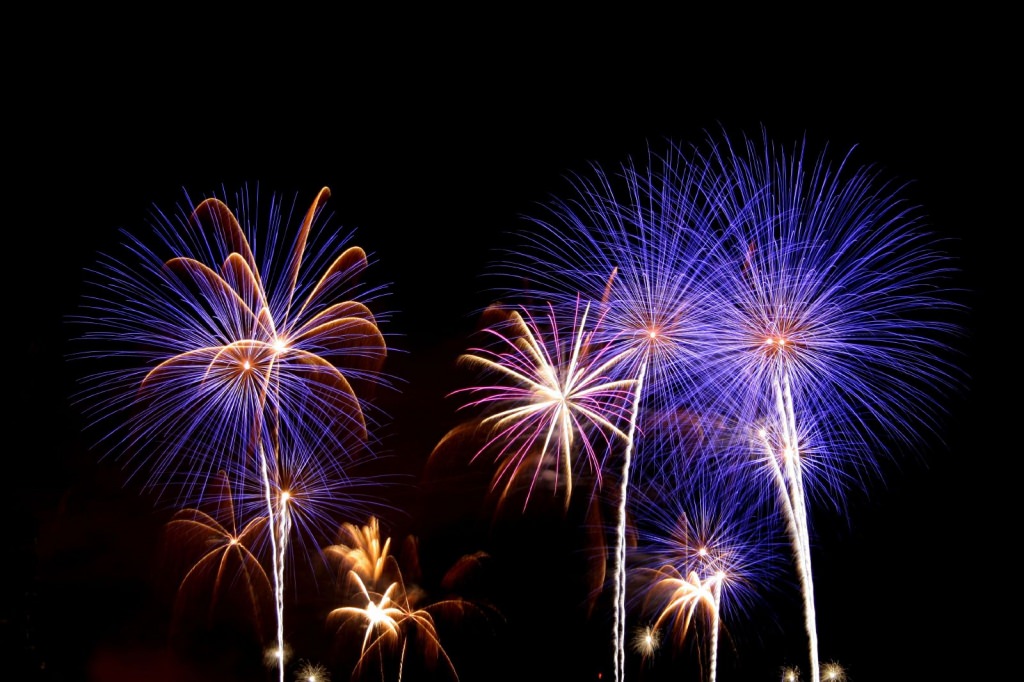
point(834, 326)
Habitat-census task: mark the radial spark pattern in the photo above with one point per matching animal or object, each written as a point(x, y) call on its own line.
point(207, 351)
point(554, 406)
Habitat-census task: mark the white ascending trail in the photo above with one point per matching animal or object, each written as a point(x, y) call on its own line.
point(619, 628)
point(277, 562)
point(284, 532)
point(797, 508)
point(716, 621)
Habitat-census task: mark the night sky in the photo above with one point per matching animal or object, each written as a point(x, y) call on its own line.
point(432, 157)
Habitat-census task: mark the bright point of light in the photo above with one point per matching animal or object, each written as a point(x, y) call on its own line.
point(246, 366)
point(374, 614)
point(280, 345)
point(703, 551)
point(233, 541)
point(285, 496)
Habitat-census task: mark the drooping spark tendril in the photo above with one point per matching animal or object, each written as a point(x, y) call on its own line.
point(221, 558)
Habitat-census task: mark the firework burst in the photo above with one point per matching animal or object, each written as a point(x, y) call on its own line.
point(833, 672)
point(639, 240)
point(391, 610)
point(210, 357)
point(556, 406)
point(790, 674)
point(222, 362)
point(646, 641)
point(833, 332)
point(224, 573)
point(704, 544)
point(312, 672)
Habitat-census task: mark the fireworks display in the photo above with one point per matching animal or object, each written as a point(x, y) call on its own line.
point(711, 347)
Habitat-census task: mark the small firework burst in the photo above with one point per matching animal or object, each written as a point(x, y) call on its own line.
point(646, 641)
point(833, 672)
point(276, 656)
point(312, 672)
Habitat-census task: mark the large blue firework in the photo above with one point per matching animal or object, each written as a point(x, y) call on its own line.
point(830, 288)
point(834, 327)
point(224, 341)
point(641, 239)
point(224, 354)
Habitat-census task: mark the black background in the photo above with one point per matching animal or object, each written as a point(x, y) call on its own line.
point(433, 144)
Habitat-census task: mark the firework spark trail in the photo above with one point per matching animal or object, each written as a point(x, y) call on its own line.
point(220, 356)
point(792, 459)
point(835, 325)
point(716, 622)
point(279, 549)
point(619, 627)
